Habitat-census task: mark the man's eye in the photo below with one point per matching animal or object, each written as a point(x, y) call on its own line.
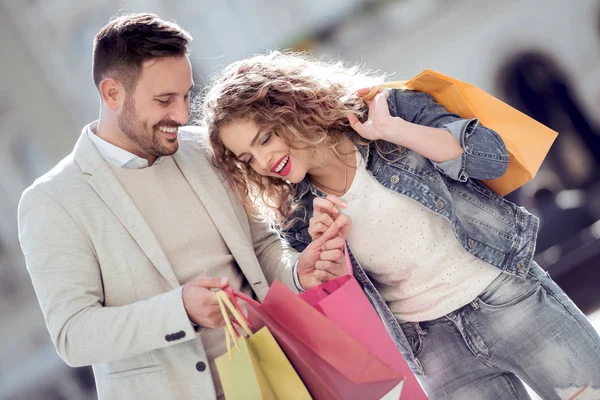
point(163, 102)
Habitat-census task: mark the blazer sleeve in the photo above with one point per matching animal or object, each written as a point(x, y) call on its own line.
point(275, 256)
point(68, 283)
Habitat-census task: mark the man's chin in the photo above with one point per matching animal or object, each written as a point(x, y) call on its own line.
point(170, 147)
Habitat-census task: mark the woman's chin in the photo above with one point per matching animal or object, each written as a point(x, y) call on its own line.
point(292, 178)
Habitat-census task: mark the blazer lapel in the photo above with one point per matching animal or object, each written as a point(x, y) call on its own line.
point(211, 191)
point(106, 185)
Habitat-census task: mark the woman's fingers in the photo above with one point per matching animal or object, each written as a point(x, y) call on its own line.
point(329, 268)
point(324, 276)
point(333, 244)
point(319, 224)
point(315, 231)
point(328, 205)
point(331, 255)
point(368, 93)
point(355, 123)
point(345, 224)
point(364, 91)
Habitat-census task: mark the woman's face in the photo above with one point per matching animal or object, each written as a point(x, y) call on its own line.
point(265, 152)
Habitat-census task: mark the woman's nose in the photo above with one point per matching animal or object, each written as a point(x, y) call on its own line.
point(265, 161)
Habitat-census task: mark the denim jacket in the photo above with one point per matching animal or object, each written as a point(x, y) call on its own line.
point(489, 227)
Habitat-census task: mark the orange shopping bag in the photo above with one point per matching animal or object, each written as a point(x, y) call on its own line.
point(526, 140)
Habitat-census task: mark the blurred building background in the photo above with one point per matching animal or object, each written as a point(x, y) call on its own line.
point(541, 56)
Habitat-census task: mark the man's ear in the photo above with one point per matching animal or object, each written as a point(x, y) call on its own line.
point(112, 93)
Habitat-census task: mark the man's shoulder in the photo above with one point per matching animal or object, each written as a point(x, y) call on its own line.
point(194, 137)
point(196, 134)
point(189, 130)
point(195, 140)
point(63, 178)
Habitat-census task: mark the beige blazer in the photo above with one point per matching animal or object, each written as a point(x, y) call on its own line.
point(109, 296)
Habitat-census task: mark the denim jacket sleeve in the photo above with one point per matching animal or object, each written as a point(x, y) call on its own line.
point(484, 153)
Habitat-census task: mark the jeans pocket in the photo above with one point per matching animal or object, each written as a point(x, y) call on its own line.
point(414, 338)
point(416, 345)
point(507, 291)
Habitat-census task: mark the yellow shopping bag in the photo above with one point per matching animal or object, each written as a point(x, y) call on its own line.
point(255, 367)
point(527, 140)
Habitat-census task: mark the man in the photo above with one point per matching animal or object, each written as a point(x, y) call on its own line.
point(127, 236)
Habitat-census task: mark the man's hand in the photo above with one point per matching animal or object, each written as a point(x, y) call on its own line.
point(201, 303)
point(323, 259)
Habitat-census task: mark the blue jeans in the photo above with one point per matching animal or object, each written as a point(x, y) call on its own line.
point(525, 328)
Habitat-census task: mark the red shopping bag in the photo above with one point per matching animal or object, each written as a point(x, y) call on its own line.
point(343, 301)
point(331, 363)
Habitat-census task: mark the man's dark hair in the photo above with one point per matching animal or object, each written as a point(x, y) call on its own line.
point(127, 41)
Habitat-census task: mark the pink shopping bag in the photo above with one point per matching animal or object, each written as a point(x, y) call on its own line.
point(343, 301)
point(332, 364)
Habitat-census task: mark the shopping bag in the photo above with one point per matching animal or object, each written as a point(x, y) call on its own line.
point(331, 363)
point(526, 140)
point(343, 301)
point(255, 367)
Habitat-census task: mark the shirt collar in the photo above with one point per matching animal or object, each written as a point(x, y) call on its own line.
point(114, 154)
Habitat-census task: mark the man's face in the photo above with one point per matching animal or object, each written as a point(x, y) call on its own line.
point(156, 107)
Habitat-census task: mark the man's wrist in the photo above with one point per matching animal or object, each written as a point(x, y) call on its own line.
point(194, 325)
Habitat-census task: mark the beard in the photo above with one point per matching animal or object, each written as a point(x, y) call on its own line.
point(146, 138)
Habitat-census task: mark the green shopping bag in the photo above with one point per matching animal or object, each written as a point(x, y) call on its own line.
point(254, 366)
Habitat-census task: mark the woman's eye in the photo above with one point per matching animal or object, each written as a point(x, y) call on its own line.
point(266, 138)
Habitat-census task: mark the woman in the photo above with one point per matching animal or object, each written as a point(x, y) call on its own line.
point(446, 262)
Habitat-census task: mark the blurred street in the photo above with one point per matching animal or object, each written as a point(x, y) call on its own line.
point(539, 56)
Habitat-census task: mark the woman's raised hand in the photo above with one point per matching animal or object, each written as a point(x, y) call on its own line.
point(379, 123)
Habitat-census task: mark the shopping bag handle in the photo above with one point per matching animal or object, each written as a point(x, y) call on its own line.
point(230, 292)
point(347, 255)
point(389, 85)
point(229, 335)
point(225, 304)
point(234, 293)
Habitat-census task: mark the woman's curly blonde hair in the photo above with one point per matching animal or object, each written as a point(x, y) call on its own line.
point(302, 100)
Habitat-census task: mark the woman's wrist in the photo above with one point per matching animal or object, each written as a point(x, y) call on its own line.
point(395, 131)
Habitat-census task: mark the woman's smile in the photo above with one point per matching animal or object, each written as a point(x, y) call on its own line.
point(283, 166)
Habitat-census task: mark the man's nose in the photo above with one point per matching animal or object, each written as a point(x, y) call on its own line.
point(180, 112)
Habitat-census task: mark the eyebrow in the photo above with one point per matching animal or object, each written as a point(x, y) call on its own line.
point(252, 143)
point(174, 93)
